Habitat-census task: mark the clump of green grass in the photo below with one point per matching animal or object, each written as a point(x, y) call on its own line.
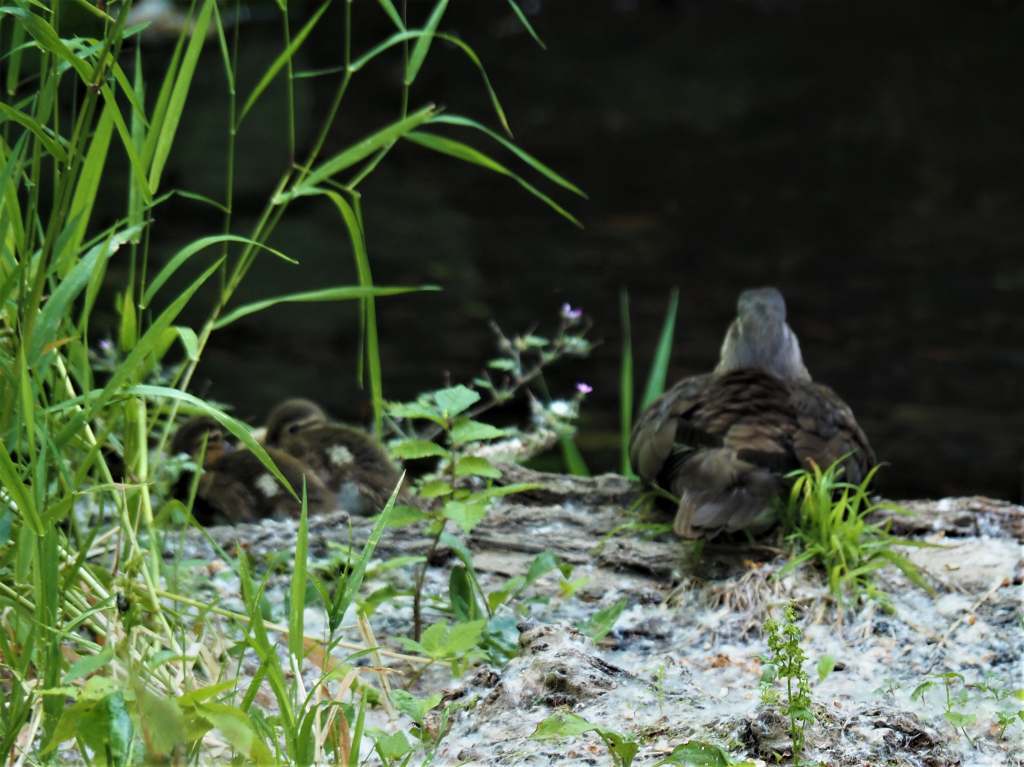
point(828, 519)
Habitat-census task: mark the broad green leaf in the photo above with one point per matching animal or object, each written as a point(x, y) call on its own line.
point(411, 449)
point(474, 431)
point(235, 726)
point(825, 666)
point(474, 466)
point(413, 707)
point(466, 514)
point(455, 400)
point(561, 725)
point(600, 623)
point(434, 489)
point(414, 410)
point(695, 753)
point(463, 637)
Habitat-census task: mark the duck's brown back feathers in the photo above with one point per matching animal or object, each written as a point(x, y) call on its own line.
point(722, 443)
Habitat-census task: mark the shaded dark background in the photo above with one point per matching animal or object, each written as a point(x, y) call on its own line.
point(864, 156)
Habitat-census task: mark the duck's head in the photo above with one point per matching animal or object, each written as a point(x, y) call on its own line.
point(761, 338)
point(291, 417)
point(191, 434)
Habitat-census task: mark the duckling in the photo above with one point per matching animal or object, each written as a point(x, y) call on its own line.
point(723, 441)
point(347, 460)
point(235, 486)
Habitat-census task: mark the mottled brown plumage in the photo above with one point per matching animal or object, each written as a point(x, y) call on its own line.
point(350, 462)
point(235, 487)
point(722, 441)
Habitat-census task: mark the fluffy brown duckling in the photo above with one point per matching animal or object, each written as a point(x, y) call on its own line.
point(347, 460)
point(723, 441)
point(235, 487)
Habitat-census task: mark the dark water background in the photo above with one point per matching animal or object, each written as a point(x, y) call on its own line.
point(864, 156)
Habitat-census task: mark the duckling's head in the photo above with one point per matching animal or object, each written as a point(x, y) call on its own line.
point(190, 435)
point(291, 416)
point(761, 338)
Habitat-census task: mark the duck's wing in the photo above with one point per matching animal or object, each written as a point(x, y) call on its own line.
point(827, 430)
point(655, 432)
point(746, 411)
point(720, 443)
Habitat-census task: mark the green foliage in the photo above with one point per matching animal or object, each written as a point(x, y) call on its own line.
point(696, 753)
point(827, 519)
point(601, 623)
point(83, 431)
point(785, 663)
point(960, 699)
point(621, 748)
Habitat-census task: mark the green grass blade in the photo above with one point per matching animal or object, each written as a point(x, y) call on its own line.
point(179, 93)
point(468, 154)
point(233, 425)
point(526, 23)
point(51, 144)
point(354, 580)
point(282, 59)
point(163, 100)
point(297, 595)
point(86, 189)
point(58, 306)
point(389, 8)
point(663, 353)
point(572, 456)
point(358, 151)
point(625, 384)
point(526, 157)
point(339, 293)
point(419, 51)
point(183, 255)
point(132, 364)
point(354, 224)
point(18, 492)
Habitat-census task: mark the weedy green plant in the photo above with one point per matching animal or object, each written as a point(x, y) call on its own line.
point(828, 520)
point(83, 433)
point(785, 664)
point(696, 753)
point(961, 696)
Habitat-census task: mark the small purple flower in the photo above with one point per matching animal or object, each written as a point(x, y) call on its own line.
point(584, 388)
point(106, 345)
point(571, 315)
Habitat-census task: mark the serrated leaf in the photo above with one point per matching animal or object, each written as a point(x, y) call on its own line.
point(413, 707)
point(601, 622)
point(562, 725)
point(455, 399)
point(474, 431)
point(413, 410)
point(463, 637)
point(466, 515)
point(434, 489)
point(474, 466)
point(411, 449)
